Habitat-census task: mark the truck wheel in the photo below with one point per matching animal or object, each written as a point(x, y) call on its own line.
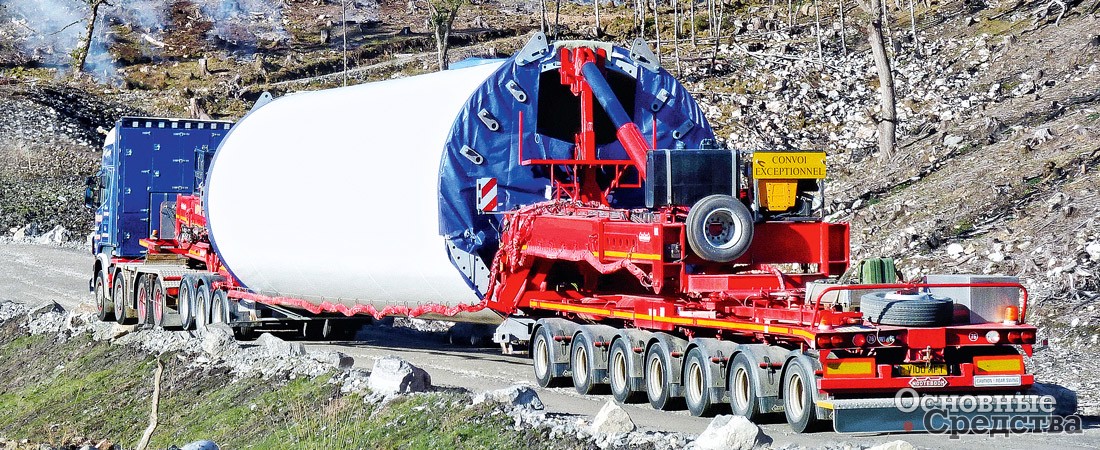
point(158, 302)
point(697, 383)
point(584, 368)
point(798, 398)
point(143, 289)
point(742, 388)
point(187, 303)
point(202, 304)
point(657, 376)
point(543, 361)
point(105, 309)
point(920, 310)
point(120, 300)
point(618, 370)
point(219, 307)
point(719, 228)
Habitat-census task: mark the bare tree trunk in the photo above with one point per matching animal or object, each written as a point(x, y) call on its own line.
point(657, 28)
point(817, 32)
point(344, 24)
point(442, 18)
point(790, 13)
point(913, 29)
point(718, 36)
point(693, 41)
point(599, 31)
point(557, 18)
point(82, 56)
point(843, 29)
point(887, 123)
point(542, 24)
point(886, 27)
point(676, 36)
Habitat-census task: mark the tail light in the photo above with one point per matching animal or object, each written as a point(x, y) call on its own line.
point(832, 341)
point(1027, 337)
point(859, 340)
point(993, 336)
point(1014, 337)
point(823, 342)
point(838, 341)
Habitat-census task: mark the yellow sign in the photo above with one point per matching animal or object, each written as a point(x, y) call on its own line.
point(788, 165)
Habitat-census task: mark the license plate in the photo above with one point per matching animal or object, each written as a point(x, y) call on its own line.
point(922, 370)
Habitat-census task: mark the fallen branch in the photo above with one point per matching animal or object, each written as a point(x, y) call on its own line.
point(152, 40)
point(144, 442)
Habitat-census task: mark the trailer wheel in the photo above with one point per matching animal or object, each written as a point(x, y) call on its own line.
point(719, 228)
point(143, 293)
point(158, 300)
point(543, 361)
point(697, 383)
point(657, 376)
point(119, 298)
point(105, 310)
point(798, 398)
point(742, 388)
point(202, 304)
point(921, 310)
point(618, 370)
point(187, 303)
point(219, 307)
point(584, 367)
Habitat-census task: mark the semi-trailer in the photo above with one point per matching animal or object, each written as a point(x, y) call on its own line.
point(575, 194)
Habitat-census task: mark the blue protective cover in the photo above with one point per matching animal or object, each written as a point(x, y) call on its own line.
point(519, 185)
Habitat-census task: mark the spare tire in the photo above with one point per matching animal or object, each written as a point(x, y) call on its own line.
point(719, 228)
point(915, 310)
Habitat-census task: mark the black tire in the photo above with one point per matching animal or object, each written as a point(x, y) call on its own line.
point(158, 302)
point(618, 373)
point(582, 361)
point(927, 311)
point(202, 304)
point(798, 398)
point(742, 388)
point(142, 299)
point(658, 372)
point(219, 307)
point(105, 309)
point(697, 382)
point(719, 228)
point(120, 299)
point(186, 302)
point(542, 361)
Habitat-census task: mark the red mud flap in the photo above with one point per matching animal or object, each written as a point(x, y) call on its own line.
point(943, 414)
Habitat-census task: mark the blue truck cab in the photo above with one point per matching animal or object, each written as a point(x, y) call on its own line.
point(146, 163)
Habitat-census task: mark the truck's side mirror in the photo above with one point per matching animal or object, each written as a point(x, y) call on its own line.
point(91, 192)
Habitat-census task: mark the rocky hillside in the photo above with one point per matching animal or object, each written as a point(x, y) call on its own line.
point(998, 107)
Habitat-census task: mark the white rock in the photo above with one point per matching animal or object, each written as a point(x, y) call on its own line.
point(1093, 249)
point(612, 419)
point(893, 445)
point(953, 140)
point(954, 250)
point(392, 375)
point(730, 433)
point(218, 341)
point(996, 257)
point(278, 347)
point(518, 395)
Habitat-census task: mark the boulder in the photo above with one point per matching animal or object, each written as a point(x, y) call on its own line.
point(893, 445)
point(217, 340)
point(1064, 398)
point(730, 433)
point(393, 375)
point(519, 396)
point(201, 445)
point(612, 419)
point(336, 359)
point(278, 347)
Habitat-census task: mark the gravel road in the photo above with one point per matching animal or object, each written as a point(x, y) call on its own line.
point(35, 274)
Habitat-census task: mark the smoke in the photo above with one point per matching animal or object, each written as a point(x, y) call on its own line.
point(50, 31)
point(245, 23)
